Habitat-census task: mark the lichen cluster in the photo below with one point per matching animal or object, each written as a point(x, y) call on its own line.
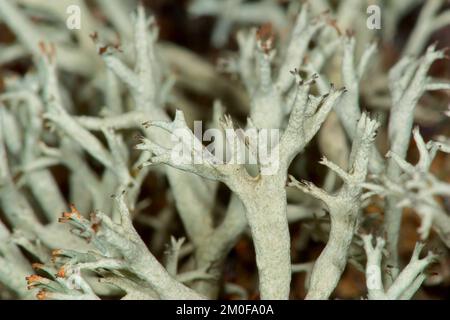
point(100, 109)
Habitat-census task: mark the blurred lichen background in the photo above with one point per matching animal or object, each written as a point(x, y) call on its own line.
point(93, 207)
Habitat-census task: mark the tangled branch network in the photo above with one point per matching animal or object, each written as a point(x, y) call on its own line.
point(109, 189)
